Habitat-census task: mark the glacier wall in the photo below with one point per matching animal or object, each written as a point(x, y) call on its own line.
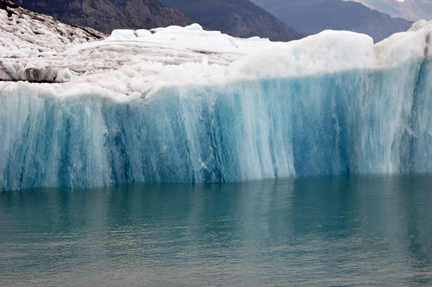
point(330, 104)
point(352, 122)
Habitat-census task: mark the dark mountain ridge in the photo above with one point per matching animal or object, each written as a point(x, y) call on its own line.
point(239, 18)
point(107, 15)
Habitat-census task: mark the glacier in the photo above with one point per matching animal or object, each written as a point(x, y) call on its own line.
point(208, 108)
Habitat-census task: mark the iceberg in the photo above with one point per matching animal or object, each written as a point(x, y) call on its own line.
point(180, 104)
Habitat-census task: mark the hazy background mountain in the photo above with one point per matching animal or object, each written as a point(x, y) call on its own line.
point(409, 9)
point(313, 16)
point(239, 18)
point(273, 19)
point(107, 15)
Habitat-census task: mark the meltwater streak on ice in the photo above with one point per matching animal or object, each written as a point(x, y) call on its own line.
point(361, 121)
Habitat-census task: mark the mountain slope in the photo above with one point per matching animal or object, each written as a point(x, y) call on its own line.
point(107, 15)
point(239, 18)
point(313, 16)
point(409, 9)
point(28, 35)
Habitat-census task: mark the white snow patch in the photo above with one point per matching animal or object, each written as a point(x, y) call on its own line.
point(131, 64)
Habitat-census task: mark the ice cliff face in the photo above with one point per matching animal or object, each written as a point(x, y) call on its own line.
point(187, 105)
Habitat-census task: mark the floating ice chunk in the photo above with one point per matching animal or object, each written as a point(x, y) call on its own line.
point(20, 75)
point(30, 72)
point(63, 75)
point(123, 34)
point(48, 53)
point(169, 28)
point(29, 65)
point(405, 46)
point(8, 69)
point(418, 25)
point(5, 76)
point(187, 105)
point(18, 66)
point(192, 35)
point(194, 27)
point(326, 52)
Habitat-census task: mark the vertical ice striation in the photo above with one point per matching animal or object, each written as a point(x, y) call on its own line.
point(371, 119)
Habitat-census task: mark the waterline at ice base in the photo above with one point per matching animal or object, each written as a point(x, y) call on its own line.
point(191, 106)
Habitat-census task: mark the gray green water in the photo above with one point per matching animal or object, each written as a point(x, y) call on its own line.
point(323, 231)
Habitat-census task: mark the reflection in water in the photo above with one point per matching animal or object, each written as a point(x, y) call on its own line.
point(327, 231)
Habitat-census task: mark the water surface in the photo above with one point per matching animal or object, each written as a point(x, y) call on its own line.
point(322, 231)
